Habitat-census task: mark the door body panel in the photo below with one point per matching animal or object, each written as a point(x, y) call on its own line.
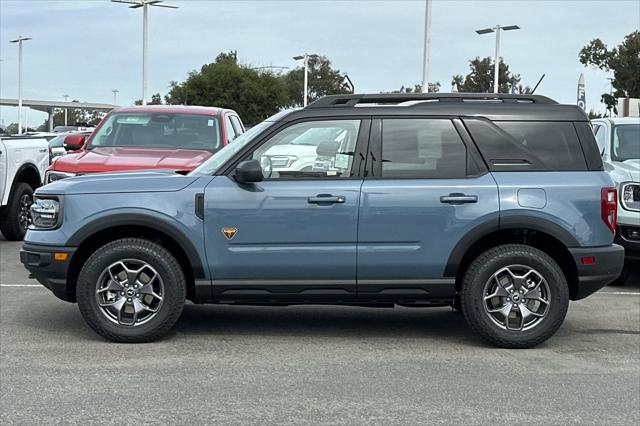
point(284, 245)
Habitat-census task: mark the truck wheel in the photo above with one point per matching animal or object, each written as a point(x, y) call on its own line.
point(16, 220)
point(131, 290)
point(514, 296)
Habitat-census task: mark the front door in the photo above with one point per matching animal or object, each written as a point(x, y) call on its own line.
point(293, 236)
point(429, 190)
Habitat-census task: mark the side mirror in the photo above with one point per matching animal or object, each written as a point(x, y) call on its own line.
point(249, 171)
point(327, 149)
point(73, 142)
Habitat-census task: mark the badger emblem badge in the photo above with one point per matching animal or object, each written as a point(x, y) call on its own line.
point(229, 232)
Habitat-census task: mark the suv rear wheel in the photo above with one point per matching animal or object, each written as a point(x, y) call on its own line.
point(131, 290)
point(514, 296)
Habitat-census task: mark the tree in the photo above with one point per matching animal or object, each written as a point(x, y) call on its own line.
point(253, 94)
point(323, 80)
point(155, 100)
point(623, 60)
point(480, 78)
point(417, 88)
point(74, 116)
point(593, 114)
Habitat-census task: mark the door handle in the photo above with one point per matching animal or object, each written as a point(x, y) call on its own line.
point(326, 199)
point(458, 199)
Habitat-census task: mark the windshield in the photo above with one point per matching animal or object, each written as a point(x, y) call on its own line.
point(158, 130)
point(57, 142)
point(626, 142)
point(219, 158)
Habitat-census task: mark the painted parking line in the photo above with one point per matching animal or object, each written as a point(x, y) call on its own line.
point(616, 293)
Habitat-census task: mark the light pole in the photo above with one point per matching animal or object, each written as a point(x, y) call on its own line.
point(305, 58)
point(497, 29)
point(135, 4)
point(427, 42)
point(115, 96)
point(66, 97)
point(19, 40)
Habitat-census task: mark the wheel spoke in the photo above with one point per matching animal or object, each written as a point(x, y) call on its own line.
point(505, 310)
point(138, 307)
point(148, 289)
point(498, 292)
point(112, 285)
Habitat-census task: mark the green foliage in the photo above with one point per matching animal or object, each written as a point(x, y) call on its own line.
point(323, 80)
point(417, 88)
point(74, 116)
point(623, 60)
point(480, 77)
point(593, 115)
point(156, 99)
point(225, 83)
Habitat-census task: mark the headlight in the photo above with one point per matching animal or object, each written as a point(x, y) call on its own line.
point(45, 213)
point(630, 196)
point(283, 161)
point(52, 176)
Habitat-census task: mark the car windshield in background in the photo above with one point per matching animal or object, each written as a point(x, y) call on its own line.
point(222, 156)
point(626, 142)
point(159, 130)
point(58, 141)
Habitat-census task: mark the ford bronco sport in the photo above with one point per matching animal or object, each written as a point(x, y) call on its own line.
point(497, 205)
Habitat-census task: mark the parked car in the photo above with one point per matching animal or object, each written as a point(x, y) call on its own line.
point(57, 143)
point(498, 206)
point(23, 161)
point(619, 143)
point(148, 137)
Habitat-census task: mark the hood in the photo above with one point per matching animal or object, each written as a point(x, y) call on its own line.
point(104, 159)
point(119, 182)
point(623, 171)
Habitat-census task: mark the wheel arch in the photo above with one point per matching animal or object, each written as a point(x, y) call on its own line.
point(27, 173)
point(539, 233)
point(96, 233)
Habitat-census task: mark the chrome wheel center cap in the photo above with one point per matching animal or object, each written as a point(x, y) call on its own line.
point(130, 293)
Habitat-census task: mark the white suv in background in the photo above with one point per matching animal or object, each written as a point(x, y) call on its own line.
point(619, 143)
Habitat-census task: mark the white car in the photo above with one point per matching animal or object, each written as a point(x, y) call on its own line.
point(23, 162)
point(57, 143)
point(619, 143)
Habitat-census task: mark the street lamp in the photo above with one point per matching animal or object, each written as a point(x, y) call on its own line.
point(427, 42)
point(115, 96)
point(19, 40)
point(66, 97)
point(497, 29)
point(305, 58)
point(135, 4)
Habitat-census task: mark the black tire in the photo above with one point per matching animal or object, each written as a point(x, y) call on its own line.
point(157, 257)
point(11, 225)
point(624, 275)
point(491, 261)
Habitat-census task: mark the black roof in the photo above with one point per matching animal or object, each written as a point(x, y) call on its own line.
point(492, 106)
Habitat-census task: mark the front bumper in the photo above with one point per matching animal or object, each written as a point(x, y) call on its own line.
point(597, 267)
point(51, 273)
point(631, 245)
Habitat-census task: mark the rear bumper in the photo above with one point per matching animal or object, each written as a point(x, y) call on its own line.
point(631, 245)
point(606, 267)
point(39, 261)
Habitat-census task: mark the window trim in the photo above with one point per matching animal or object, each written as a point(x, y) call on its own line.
point(228, 123)
point(475, 166)
point(359, 154)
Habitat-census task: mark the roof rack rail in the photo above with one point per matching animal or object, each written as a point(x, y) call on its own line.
point(397, 98)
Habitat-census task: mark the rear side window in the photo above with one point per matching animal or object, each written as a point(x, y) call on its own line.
point(528, 145)
point(556, 144)
point(422, 148)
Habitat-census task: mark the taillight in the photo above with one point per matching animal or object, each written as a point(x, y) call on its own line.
point(609, 200)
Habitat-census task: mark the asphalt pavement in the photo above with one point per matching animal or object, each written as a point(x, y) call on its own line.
point(313, 365)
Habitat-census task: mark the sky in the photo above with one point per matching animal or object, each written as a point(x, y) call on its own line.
point(87, 48)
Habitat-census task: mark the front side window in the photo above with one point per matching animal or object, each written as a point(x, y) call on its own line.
point(422, 148)
point(314, 149)
point(626, 142)
point(600, 137)
point(158, 130)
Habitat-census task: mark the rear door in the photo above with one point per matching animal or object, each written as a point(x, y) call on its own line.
point(292, 236)
point(427, 188)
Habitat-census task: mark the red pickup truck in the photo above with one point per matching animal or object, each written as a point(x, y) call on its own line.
point(148, 137)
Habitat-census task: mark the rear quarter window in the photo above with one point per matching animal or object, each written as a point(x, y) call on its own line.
point(528, 145)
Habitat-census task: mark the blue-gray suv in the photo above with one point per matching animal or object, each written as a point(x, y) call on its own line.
point(497, 205)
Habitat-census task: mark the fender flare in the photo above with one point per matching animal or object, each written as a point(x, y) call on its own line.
point(505, 223)
point(148, 220)
point(22, 168)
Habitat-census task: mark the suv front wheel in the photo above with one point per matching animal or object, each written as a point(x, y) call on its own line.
point(131, 290)
point(514, 296)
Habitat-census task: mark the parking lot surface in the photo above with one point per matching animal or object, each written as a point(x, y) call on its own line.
point(313, 365)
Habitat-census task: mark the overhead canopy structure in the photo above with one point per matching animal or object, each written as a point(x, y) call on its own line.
point(49, 106)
